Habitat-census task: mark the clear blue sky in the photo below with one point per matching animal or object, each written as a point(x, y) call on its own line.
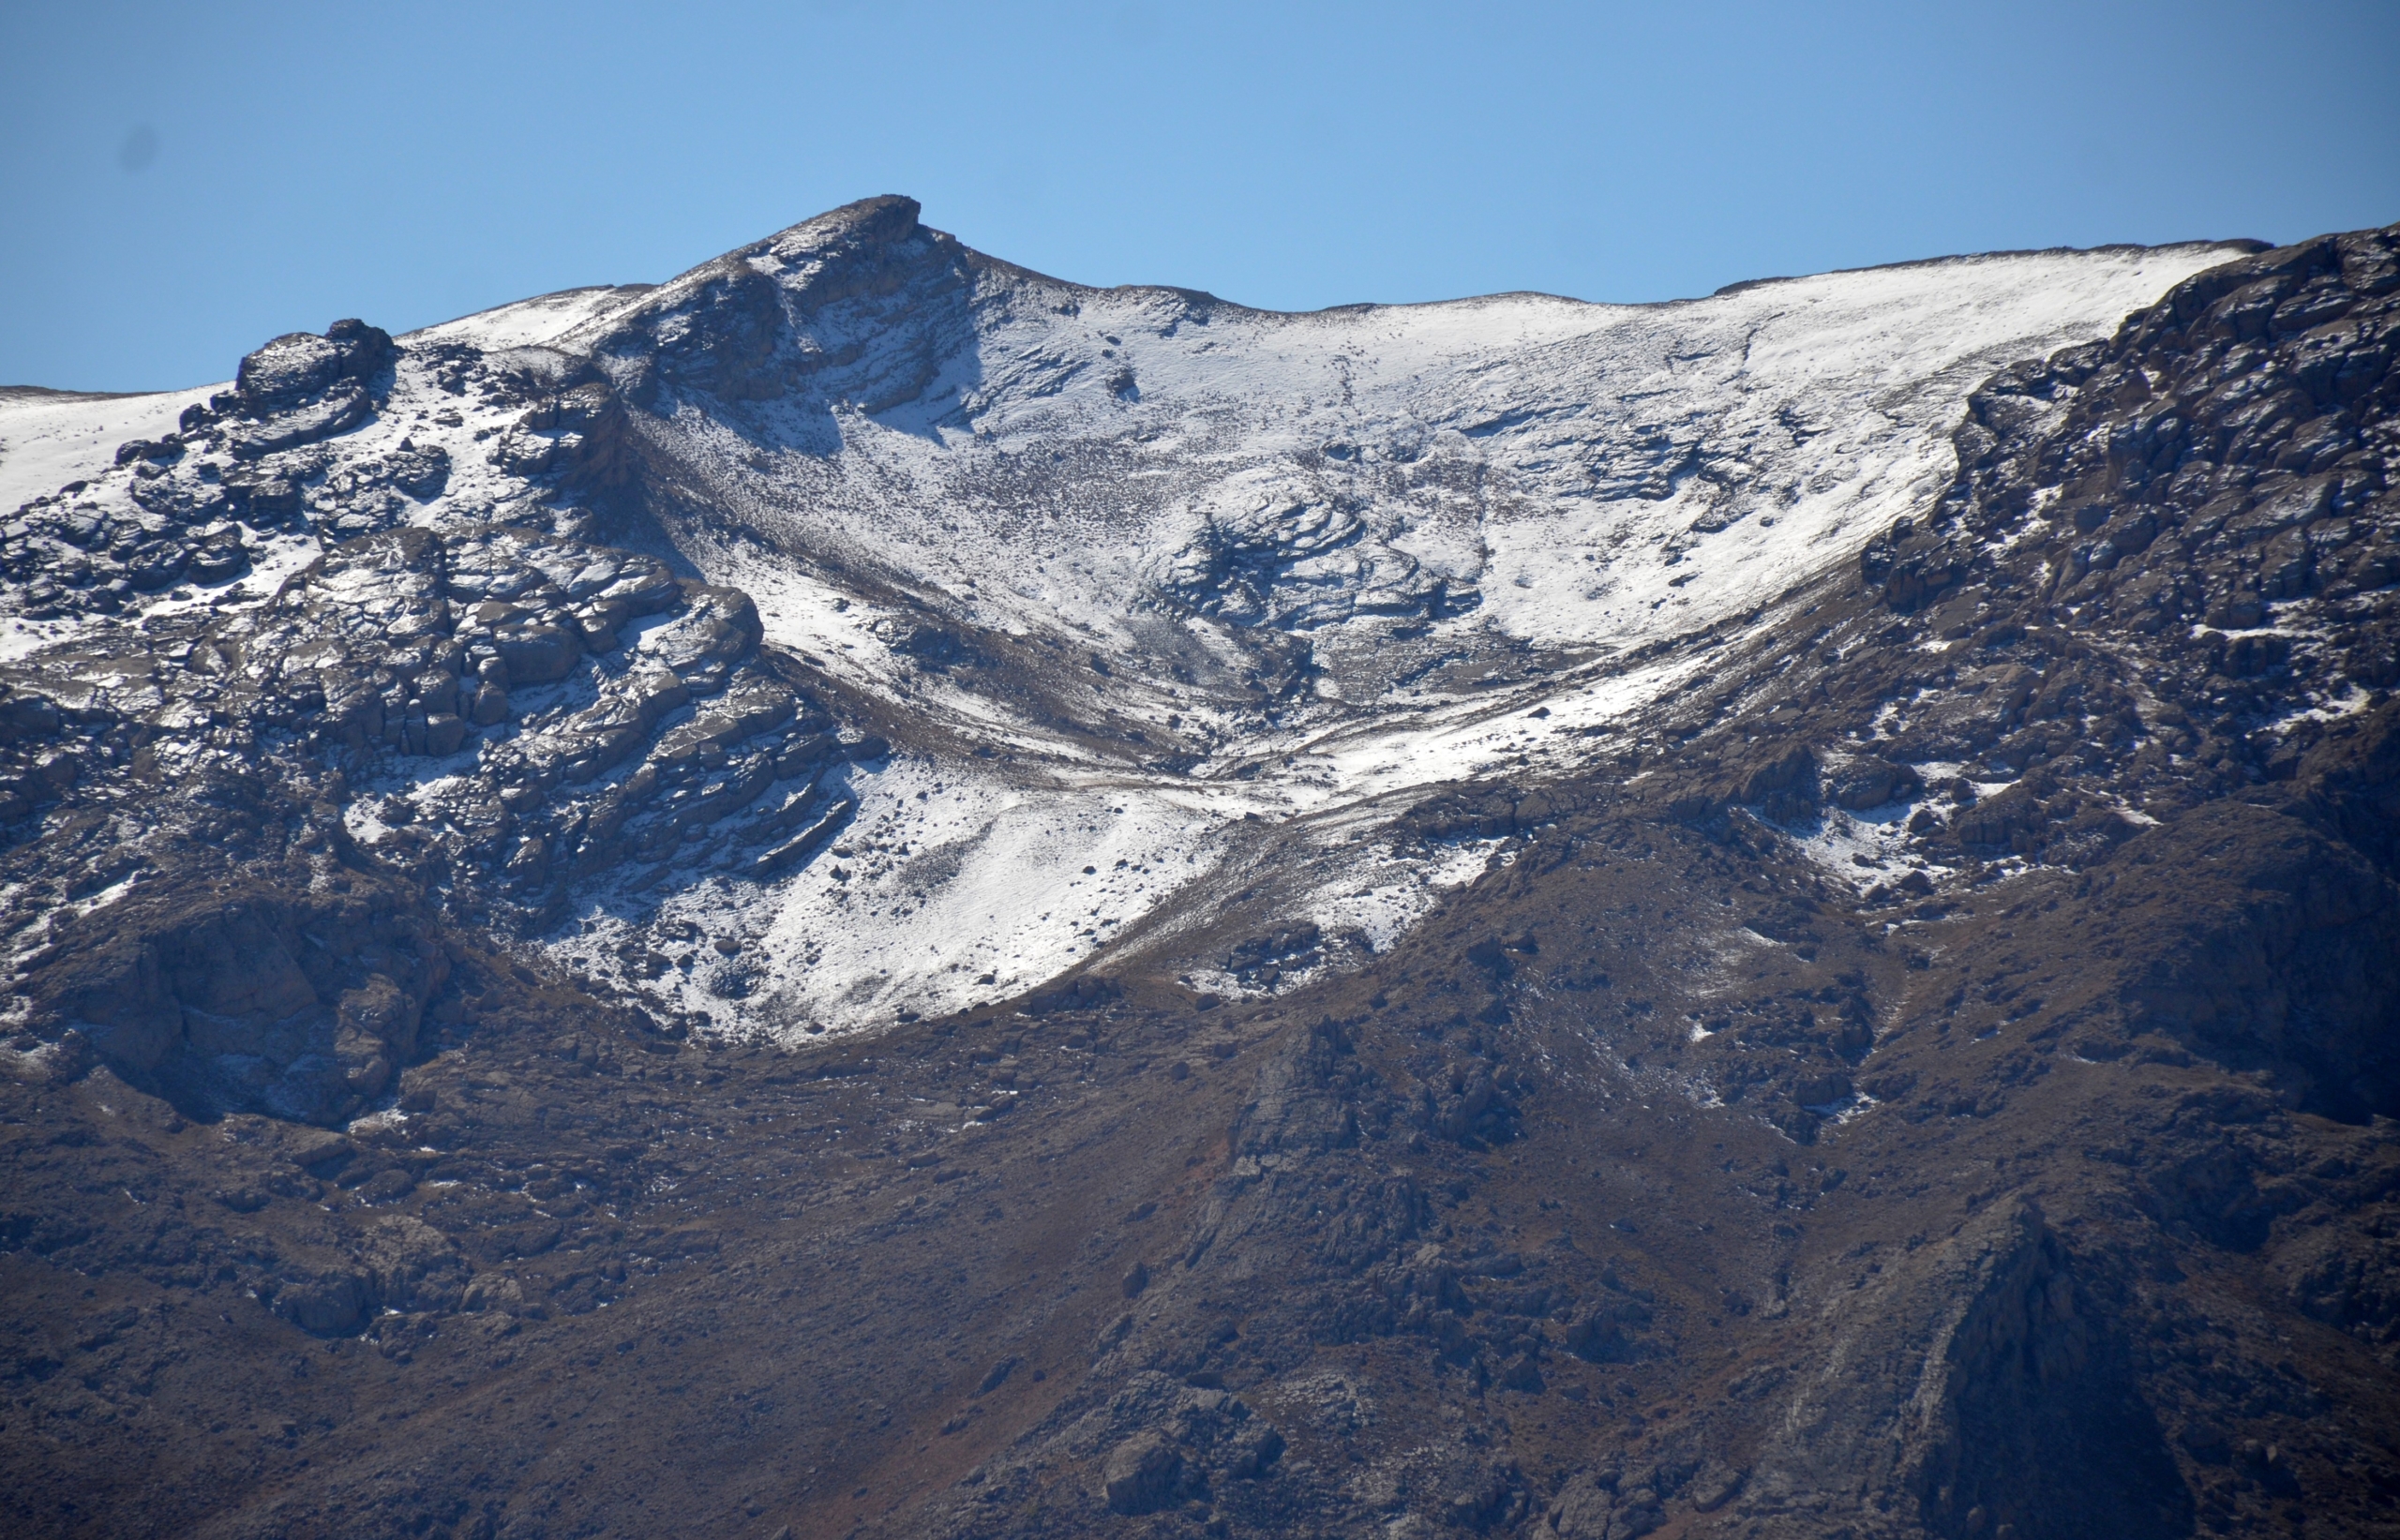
point(178, 183)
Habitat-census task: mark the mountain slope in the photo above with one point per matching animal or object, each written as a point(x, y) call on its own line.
point(1772, 915)
point(1179, 562)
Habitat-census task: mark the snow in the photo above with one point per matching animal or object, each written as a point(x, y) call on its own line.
point(1454, 514)
point(1597, 473)
point(50, 438)
point(22, 638)
point(1859, 850)
point(993, 884)
point(1588, 479)
point(1793, 420)
point(529, 322)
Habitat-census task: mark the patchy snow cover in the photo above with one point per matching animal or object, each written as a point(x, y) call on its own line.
point(50, 438)
point(1569, 474)
point(1221, 590)
point(1423, 500)
point(978, 892)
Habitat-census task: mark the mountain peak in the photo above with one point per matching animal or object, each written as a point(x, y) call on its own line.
point(881, 221)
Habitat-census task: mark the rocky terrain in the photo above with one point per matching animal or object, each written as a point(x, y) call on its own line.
point(868, 893)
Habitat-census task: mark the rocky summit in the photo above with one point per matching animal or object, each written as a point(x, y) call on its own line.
point(866, 894)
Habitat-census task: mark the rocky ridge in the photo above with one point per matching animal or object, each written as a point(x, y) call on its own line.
point(1075, 602)
point(506, 716)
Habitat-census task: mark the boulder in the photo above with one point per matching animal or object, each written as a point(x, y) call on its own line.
point(1869, 782)
point(298, 366)
point(288, 370)
point(24, 715)
point(491, 707)
point(413, 1266)
point(437, 689)
point(1785, 787)
point(539, 653)
point(808, 840)
point(1142, 1474)
point(326, 1304)
point(1583, 1508)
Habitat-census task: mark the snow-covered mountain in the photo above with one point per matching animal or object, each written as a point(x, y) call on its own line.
point(1159, 599)
point(868, 894)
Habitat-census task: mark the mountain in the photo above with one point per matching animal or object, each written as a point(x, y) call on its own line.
point(868, 892)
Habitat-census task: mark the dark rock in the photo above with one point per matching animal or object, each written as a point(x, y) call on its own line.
point(1868, 782)
point(298, 368)
point(535, 654)
point(490, 705)
point(328, 1305)
point(1140, 1474)
point(1085, 991)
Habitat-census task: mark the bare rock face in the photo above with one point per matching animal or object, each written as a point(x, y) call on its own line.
point(416, 654)
point(2235, 422)
point(300, 387)
point(2165, 558)
point(299, 367)
point(798, 310)
point(305, 1010)
point(543, 714)
point(1929, 1391)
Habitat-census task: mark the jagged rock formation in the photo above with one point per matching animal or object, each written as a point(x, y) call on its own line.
point(1892, 1038)
point(506, 718)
